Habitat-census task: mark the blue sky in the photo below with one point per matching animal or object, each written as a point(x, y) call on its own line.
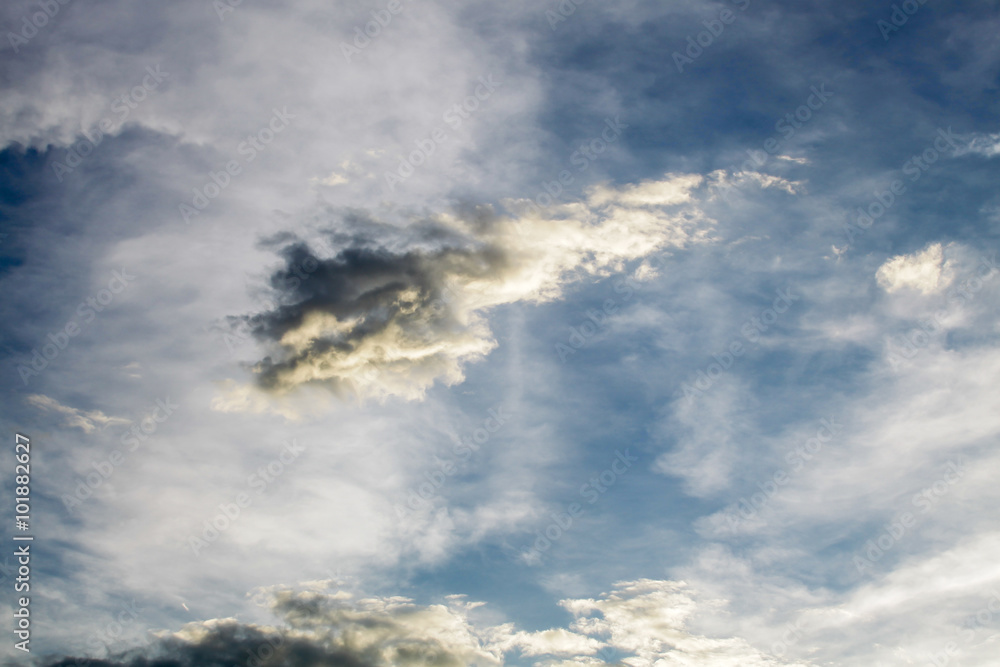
point(558, 334)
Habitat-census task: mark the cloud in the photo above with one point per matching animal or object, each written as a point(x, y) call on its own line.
point(88, 422)
point(346, 172)
point(648, 619)
point(925, 271)
point(987, 145)
point(709, 432)
point(641, 622)
point(648, 193)
point(557, 641)
point(393, 310)
point(356, 121)
point(722, 181)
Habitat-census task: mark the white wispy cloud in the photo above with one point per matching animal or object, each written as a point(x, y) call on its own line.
point(88, 421)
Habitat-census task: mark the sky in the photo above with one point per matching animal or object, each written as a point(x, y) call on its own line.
point(569, 334)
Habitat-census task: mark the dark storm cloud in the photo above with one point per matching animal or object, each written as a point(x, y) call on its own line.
point(381, 310)
point(319, 629)
point(384, 297)
point(227, 644)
